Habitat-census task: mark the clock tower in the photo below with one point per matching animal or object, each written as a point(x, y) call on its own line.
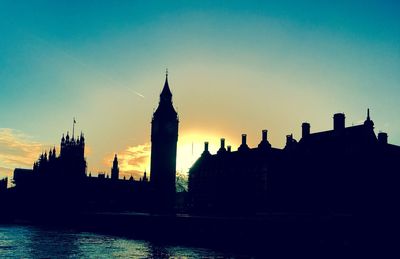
point(164, 138)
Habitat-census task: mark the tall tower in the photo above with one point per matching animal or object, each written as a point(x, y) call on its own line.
point(164, 138)
point(72, 162)
point(115, 169)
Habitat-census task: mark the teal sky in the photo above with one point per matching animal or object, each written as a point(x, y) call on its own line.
point(235, 67)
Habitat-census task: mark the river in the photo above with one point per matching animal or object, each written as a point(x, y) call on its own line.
point(21, 241)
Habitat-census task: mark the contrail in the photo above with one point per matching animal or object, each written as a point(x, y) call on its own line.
point(81, 63)
point(134, 92)
point(141, 95)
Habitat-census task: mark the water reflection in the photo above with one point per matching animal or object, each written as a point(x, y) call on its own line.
point(35, 242)
point(49, 243)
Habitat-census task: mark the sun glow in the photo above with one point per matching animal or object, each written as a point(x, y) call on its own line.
point(134, 160)
point(191, 145)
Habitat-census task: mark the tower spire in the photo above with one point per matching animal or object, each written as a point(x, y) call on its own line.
point(73, 127)
point(166, 94)
point(368, 122)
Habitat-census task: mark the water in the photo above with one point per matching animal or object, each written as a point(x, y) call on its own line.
point(37, 242)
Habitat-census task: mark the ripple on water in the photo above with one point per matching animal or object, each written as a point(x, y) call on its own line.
point(35, 242)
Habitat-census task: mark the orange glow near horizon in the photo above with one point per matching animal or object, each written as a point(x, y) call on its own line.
point(134, 160)
point(233, 68)
point(191, 145)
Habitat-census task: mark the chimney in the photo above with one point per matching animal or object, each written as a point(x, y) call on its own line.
point(338, 121)
point(289, 139)
point(229, 148)
point(382, 138)
point(243, 146)
point(222, 148)
point(244, 137)
point(206, 146)
point(290, 142)
point(305, 129)
point(264, 144)
point(205, 152)
point(264, 135)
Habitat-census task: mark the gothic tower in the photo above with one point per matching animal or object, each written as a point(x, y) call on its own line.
point(115, 169)
point(164, 138)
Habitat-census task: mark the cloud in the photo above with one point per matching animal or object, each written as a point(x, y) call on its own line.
point(16, 150)
point(132, 161)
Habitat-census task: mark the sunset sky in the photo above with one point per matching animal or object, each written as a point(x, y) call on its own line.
point(234, 67)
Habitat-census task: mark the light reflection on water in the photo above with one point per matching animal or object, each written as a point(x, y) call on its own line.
point(35, 242)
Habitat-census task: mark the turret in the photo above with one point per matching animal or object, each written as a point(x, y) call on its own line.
point(62, 146)
point(368, 122)
point(52, 154)
point(290, 142)
point(144, 179)
point(82, 138)
point(71, 158)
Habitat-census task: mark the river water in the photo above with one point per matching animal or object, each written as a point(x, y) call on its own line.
point(37, 242)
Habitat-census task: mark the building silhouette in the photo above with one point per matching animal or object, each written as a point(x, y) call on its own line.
point(61, 184)
point(3, 184)
point(311, 188)
point(164, 138)
point(70, 164)
point(115, 169)
point(343, 170)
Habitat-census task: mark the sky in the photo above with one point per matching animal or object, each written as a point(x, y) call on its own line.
point(234, 67)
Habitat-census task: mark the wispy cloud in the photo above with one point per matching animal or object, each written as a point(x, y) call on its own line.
point(17, 150)
point(132, 161)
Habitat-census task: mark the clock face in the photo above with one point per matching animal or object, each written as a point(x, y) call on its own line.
point(164, 128)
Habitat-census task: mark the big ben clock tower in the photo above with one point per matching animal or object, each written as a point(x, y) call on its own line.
point(164, 138)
